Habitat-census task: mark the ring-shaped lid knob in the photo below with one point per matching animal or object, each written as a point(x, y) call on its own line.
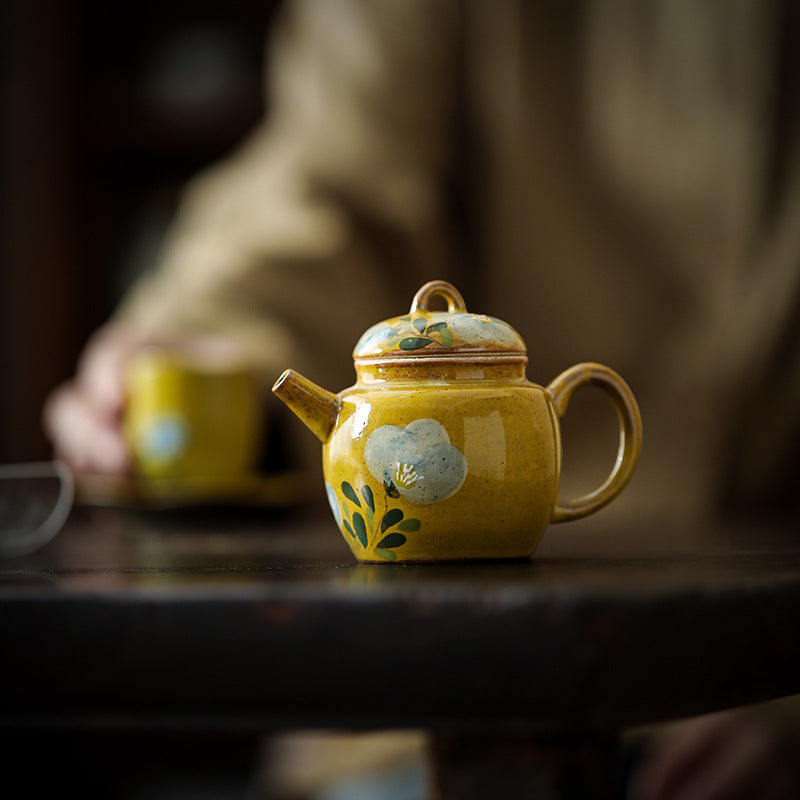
point(455, 302)
point(423, 333)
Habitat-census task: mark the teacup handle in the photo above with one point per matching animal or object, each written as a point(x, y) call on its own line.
point(630, 434)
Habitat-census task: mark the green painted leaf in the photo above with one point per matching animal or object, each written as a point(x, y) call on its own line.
point(366, 493)
point(447, 337)
point(349, 493)
point(391, 517)
point(435, 327)
point(390, 488)
point(419, 324)
point(389, 555)
point(409, 525)
point(361, 528)
point(348, 528)
point(415, 342)
point(392, 540)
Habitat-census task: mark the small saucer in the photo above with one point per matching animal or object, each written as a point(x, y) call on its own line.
point(269, 490)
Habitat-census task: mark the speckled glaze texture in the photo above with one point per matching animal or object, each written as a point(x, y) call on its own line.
point(443, 450)
point(472, 471)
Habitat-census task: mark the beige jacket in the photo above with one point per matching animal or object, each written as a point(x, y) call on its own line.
point(618, 180)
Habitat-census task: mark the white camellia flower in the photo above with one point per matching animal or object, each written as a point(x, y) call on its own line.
point(418, 460)
point(333, 502)
point(477, 330)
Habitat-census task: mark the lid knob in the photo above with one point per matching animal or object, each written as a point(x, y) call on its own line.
point(455, 302)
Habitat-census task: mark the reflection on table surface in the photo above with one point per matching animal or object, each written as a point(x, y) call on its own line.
point(101, 548)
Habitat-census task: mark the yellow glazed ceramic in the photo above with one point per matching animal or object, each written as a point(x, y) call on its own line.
point(443, 450)
point(183, 421)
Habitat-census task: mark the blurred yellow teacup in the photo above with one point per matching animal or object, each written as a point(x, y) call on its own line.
point(186, 418)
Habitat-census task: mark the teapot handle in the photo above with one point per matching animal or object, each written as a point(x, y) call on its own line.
point(630, 434)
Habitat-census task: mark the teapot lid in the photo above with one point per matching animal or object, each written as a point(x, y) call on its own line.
point(436, 334)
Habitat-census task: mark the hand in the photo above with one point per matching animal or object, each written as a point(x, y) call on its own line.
point(732, 755)
point(83, 416)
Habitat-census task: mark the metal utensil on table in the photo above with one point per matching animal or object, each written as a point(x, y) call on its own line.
point(35, 501)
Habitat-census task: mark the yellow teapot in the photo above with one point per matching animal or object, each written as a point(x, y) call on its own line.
point(443, 450)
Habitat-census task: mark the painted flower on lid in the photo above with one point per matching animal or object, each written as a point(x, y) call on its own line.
point(440, 332)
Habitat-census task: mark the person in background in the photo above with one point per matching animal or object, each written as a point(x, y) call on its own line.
point(619, 180)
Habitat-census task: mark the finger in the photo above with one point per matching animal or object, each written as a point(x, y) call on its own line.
point(669, 760)
point(101, 370)
point(81, 437)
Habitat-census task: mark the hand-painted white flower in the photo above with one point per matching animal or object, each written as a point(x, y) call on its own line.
point(478, 330)
point(372, 339)
point(418, 459)
point(333, 502)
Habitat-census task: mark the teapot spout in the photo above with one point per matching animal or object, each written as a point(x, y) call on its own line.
point(316, 407)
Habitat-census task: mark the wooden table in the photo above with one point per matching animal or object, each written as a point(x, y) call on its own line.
point(524, 672)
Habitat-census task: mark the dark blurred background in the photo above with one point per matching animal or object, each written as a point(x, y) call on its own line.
point(107, 109)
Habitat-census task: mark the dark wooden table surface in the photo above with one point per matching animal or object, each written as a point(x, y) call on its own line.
point(244, 623)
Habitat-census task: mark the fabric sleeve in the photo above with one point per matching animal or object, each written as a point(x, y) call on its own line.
point(331, 214)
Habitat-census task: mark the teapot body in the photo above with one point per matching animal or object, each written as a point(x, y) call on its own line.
point(446, 472)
